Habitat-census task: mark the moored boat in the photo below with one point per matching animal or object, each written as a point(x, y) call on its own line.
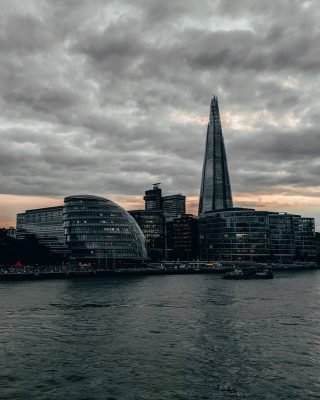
point(266, 273)
point(238, 273)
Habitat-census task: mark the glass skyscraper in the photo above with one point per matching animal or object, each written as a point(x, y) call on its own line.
point(235, 234)
point(215, 191)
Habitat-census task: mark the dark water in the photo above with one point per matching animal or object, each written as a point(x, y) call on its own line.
point(163, 337)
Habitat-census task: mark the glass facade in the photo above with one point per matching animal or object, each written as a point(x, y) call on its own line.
point(184, 238)
point(46, 224)
point(215, 191)
point(152, 225)
point(97, 228)
point(174, 206)
point(318, 247)
point(247, 234)
point(304, 237)
point(282, 236)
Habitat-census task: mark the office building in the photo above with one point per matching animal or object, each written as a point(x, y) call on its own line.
point(318, 247)
point(173, 206)
point(305, 238)
point(153, 198)
point(46, 224)
point(155, 220)
point(242, 234)
point(215, 192)
point(151, 223)
point(183, 238)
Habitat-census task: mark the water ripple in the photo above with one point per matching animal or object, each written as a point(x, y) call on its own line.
point(174, 337)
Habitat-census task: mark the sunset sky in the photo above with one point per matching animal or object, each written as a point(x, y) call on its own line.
point(107, 97)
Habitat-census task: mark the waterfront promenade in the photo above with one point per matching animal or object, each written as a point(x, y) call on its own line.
point(164, 268)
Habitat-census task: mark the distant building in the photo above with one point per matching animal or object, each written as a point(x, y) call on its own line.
point(87, 229)
point(304, 238)
point(318, 247)
point(173, 206)
point(215, 192)
point(247, 234)
point(159, 211)
point(151, 223)
point(182, 240)
point(11, 232)
point(153, 198)
point(46, 224)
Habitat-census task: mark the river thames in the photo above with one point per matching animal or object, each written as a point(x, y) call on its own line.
point(161, 337)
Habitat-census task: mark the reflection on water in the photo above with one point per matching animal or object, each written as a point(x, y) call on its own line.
point(163, 337)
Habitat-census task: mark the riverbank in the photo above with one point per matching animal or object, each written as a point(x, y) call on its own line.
point(39, 273)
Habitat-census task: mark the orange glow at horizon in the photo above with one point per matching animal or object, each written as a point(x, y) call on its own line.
point(11, 205)
point(288, 201)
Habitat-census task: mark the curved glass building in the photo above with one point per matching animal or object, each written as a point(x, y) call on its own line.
point(96, 228)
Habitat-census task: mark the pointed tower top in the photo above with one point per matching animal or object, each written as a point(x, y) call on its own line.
point(215, 191)
point(214, 110)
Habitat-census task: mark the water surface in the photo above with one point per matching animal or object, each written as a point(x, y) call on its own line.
point(161, 337)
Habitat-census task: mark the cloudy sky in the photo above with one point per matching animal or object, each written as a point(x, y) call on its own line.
point(107, 97)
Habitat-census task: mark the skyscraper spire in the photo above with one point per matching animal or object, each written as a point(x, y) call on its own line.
point(215, 191)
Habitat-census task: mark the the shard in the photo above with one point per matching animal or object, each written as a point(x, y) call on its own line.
point(215, 184)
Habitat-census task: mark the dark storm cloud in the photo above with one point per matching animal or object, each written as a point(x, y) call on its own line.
point(106, 97)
